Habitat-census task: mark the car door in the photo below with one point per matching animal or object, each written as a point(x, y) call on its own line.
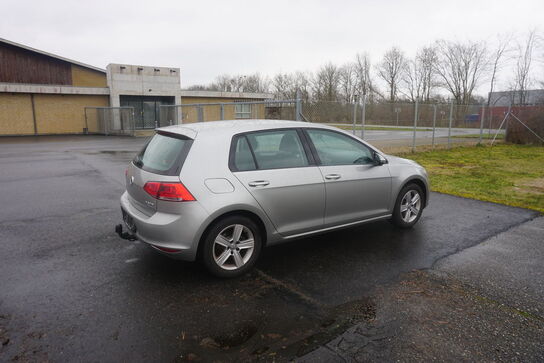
point(280, 173)
point(356, 188)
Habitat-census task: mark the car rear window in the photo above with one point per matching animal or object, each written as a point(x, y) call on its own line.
point(164, 154)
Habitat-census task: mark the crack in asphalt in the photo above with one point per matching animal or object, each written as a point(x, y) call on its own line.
point(483, 240)
point(290, 288)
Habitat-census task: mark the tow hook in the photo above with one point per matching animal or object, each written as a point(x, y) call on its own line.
point(124, 235)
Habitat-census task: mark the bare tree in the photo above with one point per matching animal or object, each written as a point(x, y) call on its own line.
point(362, 67)
point(522, 76)
point(348, 80)
point(427, 58)
point(419, 75)
point(237, 83)
point(390, 69)
point(282, 85)
point(326, 83)
point(286, 85)
point(412, 80)
point(496, 61)
point(460, 67)
point(255, 83)
point(303, 83)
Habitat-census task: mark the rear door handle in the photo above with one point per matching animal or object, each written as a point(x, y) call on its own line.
point(259, 183)
point(332, 176)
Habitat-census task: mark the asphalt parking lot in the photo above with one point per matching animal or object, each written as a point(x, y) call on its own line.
point(72, 290)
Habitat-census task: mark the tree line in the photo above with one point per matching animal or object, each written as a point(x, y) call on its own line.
point(441, 70)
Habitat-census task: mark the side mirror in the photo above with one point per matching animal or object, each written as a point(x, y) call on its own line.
point(379, 159)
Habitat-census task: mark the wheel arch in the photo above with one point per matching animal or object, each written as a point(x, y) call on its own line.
point(236, 212)
point(420, 183)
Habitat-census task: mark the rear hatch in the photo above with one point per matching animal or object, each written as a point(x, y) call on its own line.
point(160, 160)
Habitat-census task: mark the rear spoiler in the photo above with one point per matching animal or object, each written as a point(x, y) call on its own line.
point(177, 130)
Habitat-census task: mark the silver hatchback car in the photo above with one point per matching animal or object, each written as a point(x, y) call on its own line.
point(222, 191)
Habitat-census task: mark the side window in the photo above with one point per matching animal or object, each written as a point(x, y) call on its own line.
point(277, 149)
point(336, 149)
point(243, 160)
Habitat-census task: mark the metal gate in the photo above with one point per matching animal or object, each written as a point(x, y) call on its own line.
point(109, 120)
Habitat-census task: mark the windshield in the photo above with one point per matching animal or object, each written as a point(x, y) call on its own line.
point(164, 154)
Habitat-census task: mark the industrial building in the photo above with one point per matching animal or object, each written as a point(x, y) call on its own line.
point(43, 94)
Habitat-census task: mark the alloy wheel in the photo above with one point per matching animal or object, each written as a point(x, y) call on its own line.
point(410, 206)
point(233, 247)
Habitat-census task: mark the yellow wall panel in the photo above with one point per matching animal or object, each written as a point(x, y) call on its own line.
point(84, 77)
point(213, 113)
point(60, 114)
point(16, 114)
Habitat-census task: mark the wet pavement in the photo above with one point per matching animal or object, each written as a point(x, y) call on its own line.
point(72, 290)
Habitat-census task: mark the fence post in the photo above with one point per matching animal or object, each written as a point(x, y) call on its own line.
point(354, 113)
point(434, 123)
point(490, 117)
point(86, 128)
point(482, 124)
point(106, 121)
point(222, 113)
point(449, 127)
point(415, 126)
point(363, 117)
point(298, 107)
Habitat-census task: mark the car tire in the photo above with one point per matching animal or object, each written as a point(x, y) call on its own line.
point(404, 215)
point(231, 246)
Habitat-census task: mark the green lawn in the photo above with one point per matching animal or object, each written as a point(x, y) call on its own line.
point(507, 174)
point(485, 136)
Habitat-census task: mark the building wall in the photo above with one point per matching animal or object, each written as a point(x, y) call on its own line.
point(54, 114)
point(84, 77)
point(60, 114)
point(213, 112)
point(16, 114)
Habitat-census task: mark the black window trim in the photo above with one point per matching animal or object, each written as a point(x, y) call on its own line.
point(314, 150)
point(180, 160)
point(302, 137)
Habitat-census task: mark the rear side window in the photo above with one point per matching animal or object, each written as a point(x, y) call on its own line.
point(274, 149)
point(243, 159)
point(164, 154)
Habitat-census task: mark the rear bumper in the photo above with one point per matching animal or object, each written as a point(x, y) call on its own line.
point(170, 231)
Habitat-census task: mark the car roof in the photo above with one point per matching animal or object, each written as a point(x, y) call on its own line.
point(231, 127)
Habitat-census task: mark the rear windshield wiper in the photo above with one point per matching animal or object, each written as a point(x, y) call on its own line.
point(138, 161)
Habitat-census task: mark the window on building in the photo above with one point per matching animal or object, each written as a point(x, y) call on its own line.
point(242, 110)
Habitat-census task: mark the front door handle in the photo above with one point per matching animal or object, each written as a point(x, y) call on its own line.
point(259, 183)
point(332, 176)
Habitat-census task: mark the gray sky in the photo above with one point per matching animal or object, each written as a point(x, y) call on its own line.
point(207, 38)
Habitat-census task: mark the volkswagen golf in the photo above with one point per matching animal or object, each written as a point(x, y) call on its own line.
point(222, 191)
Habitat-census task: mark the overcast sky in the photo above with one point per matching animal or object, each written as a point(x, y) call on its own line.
point(208, 38)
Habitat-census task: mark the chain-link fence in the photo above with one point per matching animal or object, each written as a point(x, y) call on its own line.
point(200, 112)
point(109, 120)
point(411, 124)
point(386, 125)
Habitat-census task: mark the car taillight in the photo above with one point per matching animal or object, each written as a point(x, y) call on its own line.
point(173, 192)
